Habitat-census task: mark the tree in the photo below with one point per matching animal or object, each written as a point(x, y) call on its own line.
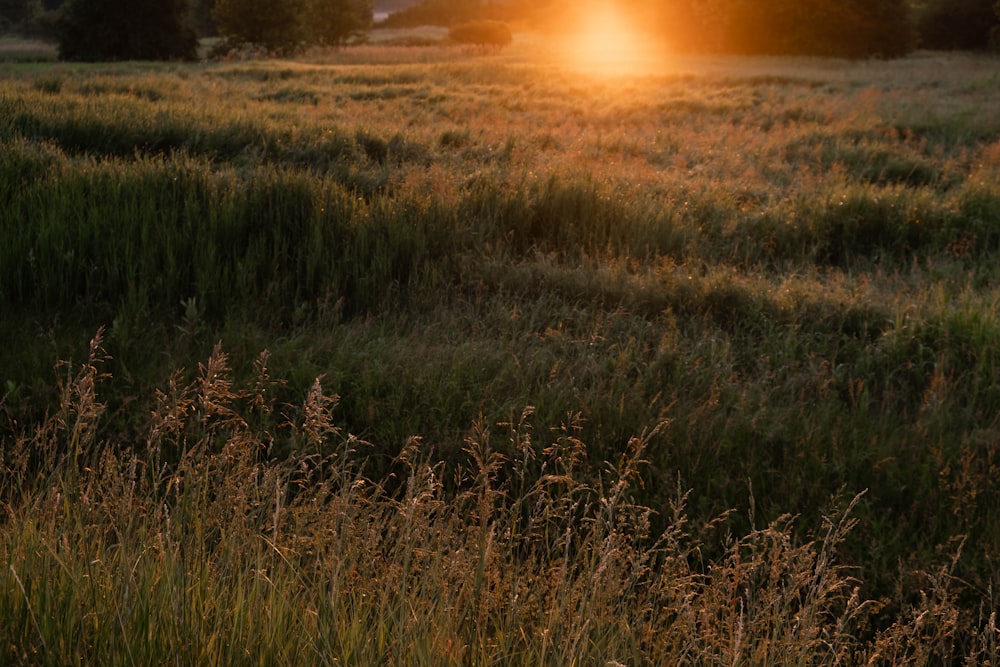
point(845, 28)
point(200, 18)
point(125, 30)
point(275, 25)
point(334, 22)
point(956, 24)
point(31, 18)
point(287, 26)
point(437, 12)
point(881, 28)
point(13, 13)
point(995, 32)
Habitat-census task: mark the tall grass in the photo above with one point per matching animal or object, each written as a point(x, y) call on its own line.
point(789, 265)
point(195, 545)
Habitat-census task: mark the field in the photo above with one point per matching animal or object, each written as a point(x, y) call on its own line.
point(428, 356)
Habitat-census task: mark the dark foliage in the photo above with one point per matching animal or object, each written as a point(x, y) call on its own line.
point(334, 22)
point(957, 24)
point(995, 33)
point(275, 26)
point(454, 12)
point(844, 28)
point(435, 12)
point(850, 28)
point(97, 30)
point(200, 18)
point(13, 13)
point(30, 18)
point(495, 34)
point(287, 26)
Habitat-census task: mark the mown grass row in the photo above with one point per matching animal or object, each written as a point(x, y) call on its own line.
point(793, 273)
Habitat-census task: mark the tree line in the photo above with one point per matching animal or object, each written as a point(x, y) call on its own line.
point(96, 30)
point(848, 28)
point(170, 29)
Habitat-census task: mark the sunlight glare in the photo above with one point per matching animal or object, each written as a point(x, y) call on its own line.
point(606, 43)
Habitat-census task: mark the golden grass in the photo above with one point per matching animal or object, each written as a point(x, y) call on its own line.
point(780, 273)
point(198, 547)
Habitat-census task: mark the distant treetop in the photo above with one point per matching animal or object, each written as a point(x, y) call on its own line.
point(843, 28)
point(958, 24)
point(97, 30)
point(287, 26)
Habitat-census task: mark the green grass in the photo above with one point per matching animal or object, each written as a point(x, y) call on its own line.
point(195, 545)
point(20, 50)
point(782, 271)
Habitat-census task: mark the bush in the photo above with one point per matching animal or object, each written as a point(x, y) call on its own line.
point(95, 30)
point(482, 33)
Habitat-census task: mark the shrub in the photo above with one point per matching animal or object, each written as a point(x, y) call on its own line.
point(95, 30)
point(494, 34)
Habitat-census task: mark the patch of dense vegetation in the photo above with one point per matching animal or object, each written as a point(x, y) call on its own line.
point(492, 34)
point(602, 335)
point(289, 26)
point(96, 30)
point(958, 24)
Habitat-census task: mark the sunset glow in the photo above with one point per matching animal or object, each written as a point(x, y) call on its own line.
point(606, 42)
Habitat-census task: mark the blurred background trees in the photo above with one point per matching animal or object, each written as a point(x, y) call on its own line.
point(996, 27)
point(287, 26)
point(335, 22)
point(845, 28)
point(95, 30)
point(200, 18)
point(452, 12)
point(144, 29)
point(277, 27)
point(29, 18)
point(13, 14)
point(957, 24)
point(484, 34)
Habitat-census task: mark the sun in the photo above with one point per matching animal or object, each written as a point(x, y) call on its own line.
point(606, 42)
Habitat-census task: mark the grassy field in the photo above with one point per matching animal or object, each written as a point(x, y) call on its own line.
point(421, 356)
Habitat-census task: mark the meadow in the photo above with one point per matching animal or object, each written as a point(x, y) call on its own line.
point(424, 356)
